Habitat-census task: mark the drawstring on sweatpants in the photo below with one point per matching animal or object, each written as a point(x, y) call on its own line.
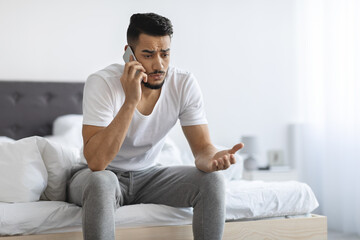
point(131, 180)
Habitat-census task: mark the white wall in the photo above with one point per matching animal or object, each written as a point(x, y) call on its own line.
point(241, 51)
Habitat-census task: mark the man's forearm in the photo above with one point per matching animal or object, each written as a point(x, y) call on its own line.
point(102, 148)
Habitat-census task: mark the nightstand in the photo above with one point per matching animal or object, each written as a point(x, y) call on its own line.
point(272, 175)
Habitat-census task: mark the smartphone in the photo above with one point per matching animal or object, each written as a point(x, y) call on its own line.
point(127, 54)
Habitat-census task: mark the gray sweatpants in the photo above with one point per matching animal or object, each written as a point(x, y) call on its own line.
point(101, 193)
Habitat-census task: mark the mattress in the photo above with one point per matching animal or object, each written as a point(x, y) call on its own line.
point(245, 200)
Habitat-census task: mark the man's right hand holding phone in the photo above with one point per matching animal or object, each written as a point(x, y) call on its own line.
point(131, 79)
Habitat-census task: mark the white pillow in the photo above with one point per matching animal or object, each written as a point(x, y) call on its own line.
point(66, 122)
point(23, 175)
point(6, 139)
point(59, 161)
point(67, 131)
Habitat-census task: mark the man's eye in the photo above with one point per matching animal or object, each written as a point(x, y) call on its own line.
point(147, 56)
point(166, 55)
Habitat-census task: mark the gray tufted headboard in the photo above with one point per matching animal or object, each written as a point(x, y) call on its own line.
point(29, 108)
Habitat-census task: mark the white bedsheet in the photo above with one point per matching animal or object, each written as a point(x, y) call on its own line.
point(244, 200)
point(259, 199)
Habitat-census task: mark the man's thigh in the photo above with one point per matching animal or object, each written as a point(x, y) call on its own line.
point(177, 186)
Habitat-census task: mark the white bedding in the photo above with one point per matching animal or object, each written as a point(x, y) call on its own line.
point(245, 200)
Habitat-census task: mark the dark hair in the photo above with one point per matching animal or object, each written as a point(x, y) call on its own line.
point(149, 23)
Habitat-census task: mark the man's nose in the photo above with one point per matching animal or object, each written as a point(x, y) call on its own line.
point(158, 63)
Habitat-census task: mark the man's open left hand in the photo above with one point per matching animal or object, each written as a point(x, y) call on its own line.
point(224, 159)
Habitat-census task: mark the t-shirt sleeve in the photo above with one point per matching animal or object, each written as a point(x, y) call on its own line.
point(192, 110)
point(98, 107)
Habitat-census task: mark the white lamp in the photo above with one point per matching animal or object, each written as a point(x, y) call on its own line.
point(251, 148)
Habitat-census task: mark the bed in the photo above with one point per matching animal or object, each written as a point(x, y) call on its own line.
point(35, 108)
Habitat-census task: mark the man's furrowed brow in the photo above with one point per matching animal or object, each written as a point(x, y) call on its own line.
point(153, 51)
point(148, 51)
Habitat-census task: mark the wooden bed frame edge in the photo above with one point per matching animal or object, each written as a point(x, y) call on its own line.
point(313, 228)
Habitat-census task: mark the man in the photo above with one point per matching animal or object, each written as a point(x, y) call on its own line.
point(128, 111)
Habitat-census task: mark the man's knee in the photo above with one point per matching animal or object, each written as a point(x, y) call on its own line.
point(102, 182)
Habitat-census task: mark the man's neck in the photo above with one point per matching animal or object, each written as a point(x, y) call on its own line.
point(149, 93)
point(149, 98)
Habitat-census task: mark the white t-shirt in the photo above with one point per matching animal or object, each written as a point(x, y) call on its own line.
point(180, 98)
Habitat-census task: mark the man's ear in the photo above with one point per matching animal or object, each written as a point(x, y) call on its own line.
point(126, 46)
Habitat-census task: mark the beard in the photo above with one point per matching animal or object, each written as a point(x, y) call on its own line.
point(154, 86)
